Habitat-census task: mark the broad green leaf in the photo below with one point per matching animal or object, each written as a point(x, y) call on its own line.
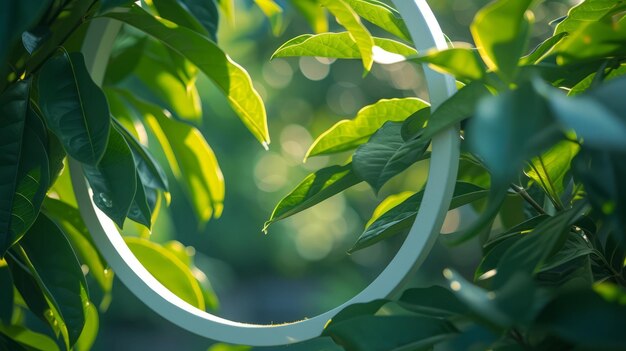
point(229, 77)
point(435, 301)
point(313, 13)
point(348, 134)
point(529, 253)
point(90, 331)
point(175, 11)
point(460, 106)
point(159, 75)
point(575, 247)
point(542, 50)
point(398, 332)
point(336, 45)
point(7, 298)
point(206, 13)
point(125, 56)
point(15, 18)
point(550, 168)
point(501, 31)
point(387, 204)
point(190, 157)
point(598, 121)
point(274, 14)
point(386, 154)
point(56, 269)
point(315, 188)
point(592, 80)
point(8, 344)
point(510, 128)
point(71, 223)
point(168, 270)
point(381, 15)
point(352, 23)
point(588, 12)
point(576, 316)
point(75, 108)
point(400, 218)
point(114, 180)
point(464, 64)
point(28, 338)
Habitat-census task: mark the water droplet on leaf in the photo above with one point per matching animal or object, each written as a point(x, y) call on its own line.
point(105, 200)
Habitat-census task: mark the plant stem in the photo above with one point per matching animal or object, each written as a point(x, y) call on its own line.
point(522, 192)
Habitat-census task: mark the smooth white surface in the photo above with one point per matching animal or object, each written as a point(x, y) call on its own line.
point(426, 34)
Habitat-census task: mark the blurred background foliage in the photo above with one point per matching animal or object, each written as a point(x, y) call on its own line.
point(301, 267)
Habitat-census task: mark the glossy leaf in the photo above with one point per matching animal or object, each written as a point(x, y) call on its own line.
point(336, 45)
point(464, 64)
point(190, 157)
point(400, 218)
point(57, 271)
point(348, 134)
point(68, 218)
point(315, 188)
point(74, 107)
point(28, 338)
point(168, 270)
point(386, 154)
point(351, 22)
point(500, 31)
point(382, 15)
point(229, 77)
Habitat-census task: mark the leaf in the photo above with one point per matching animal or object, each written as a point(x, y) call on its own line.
point(348, 134)
point(336, 45)
point(587, 12)
point(590, 116)
point(75, 108)
point(90, 331)
point(68, 218)
point(351, 22)
point(433, 301)
point(400, 332)
point(190, 157)
point(33, 39)
point(127, 51)
point(549, 169)
point(386, 154)
point(29, 338)
point(315, 188)
point(56, 269)
point(17, 17)
point(111, 4)
point(501, 31)
point(464, 64)
point(400, 218)
point(274, 14)
point(168, 270)
point(113, 181)
point(542, 50)
point(387, 204)
point(206, 12)
point(7, 297)
point(176, 11)
point(229, 77)
point(382, 15)
point(313, 13)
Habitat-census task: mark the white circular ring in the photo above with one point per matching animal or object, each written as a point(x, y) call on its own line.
point(426, 34)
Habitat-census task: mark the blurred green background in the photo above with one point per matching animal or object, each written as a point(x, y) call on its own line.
point(301, 267)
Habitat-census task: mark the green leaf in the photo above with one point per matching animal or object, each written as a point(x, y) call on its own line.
point(433, 301)
point(399, 332)
point(29, 338)
point(336, 45)
point(400, 218)
point(501, 31)
point(206, 12)
point(56, 269)
point(351, 22)
point(190, 157)
point(168, 270)
point(542, 50)
point(68, 218)
point(315, 188)
point(113, 180)
point(550, 168)
point(90, 331)
point(110, 4)
point(348, 134)
point(127, 51)
point(387, 204)
point(175, 11)
point(381, 15)
point(592, 80)
point(313, 13)
point(7, 298)
point(274, 14)
point(15, 18)
point(229, 77)
point(386, 154)
point(588, 12)
point(464, 64)
point(74, 107)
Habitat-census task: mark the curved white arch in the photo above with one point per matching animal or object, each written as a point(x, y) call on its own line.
point(426, 34)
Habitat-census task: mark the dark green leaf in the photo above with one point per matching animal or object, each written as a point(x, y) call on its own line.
point(74, 106)
point(110, 4)
point(206, 12)
point(386, 154)
point(315, 188)
point(33, 39)
point(175, 11)
point(127, 52)
point(434, 301)
point(229, 77)
point(358, 309)
point(15, 18)
point(113, 180)
point(28, 338)
point(7, 297)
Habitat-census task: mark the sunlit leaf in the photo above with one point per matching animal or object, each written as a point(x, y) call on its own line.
point(229, 77)
point(587, 12)
point(464, 64)
point(348, 134)
point(90, 331)
point(28, 338)
point(313, 13)
point(542, 50)
point(315, 188)
point(168, 270)
point(382, 15)
point(387, 204)
point(274, 14)
point(175, 11)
